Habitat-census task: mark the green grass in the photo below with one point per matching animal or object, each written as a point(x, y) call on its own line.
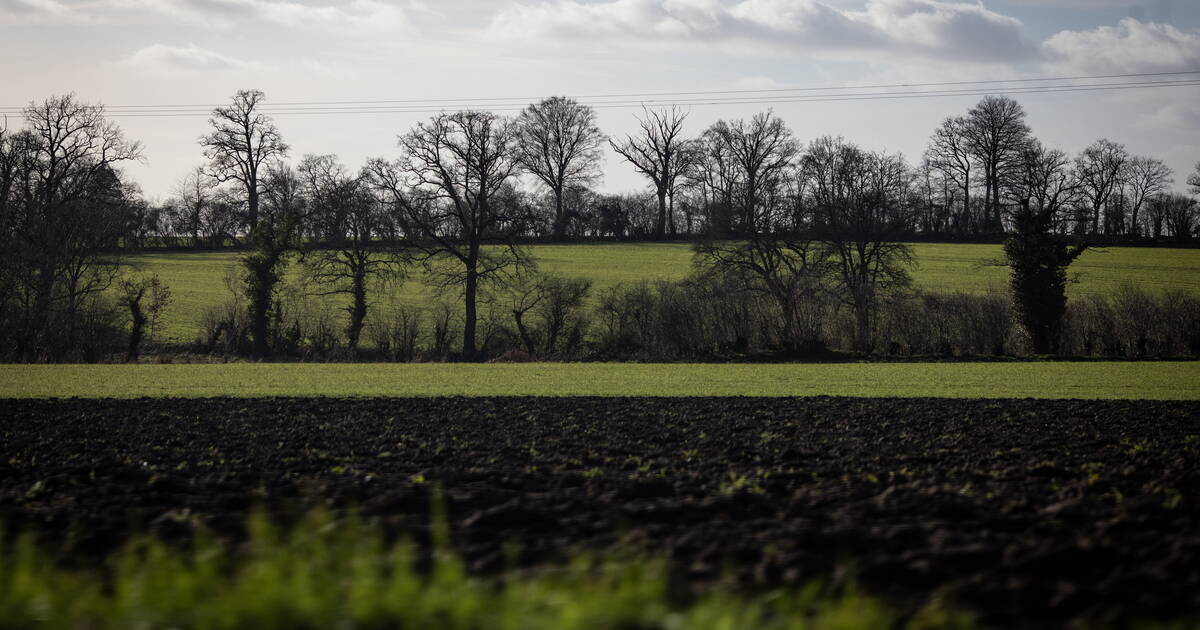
point(326, 574)
point(1120, 380)
point(196, 279)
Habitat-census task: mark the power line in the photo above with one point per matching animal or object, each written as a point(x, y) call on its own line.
point(694, 102)
point(160, 112)
point(512, 101)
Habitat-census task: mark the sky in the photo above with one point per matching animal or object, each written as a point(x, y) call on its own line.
point(200, 52)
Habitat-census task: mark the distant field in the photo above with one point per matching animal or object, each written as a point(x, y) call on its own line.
point(1112, 380)
point(197, 279)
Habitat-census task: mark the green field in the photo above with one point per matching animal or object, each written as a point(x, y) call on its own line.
point(197, 279)
point(1123, 380)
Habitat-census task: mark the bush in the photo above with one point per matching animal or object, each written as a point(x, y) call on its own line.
point(1132, 323)
point(947, 324)
point(394, 331)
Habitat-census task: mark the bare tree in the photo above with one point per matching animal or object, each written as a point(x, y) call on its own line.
point(760, 151)
point(65, 213)
point(660, 152)
point(242, 145)
point(452, 191)
point(350, 229)
point(1144, 178)
point(194, 196)
point(1194, 180)
point(559, 143)
point(790, 269)
point(1180, 216)
point(996, 132)
point(860, 206)
point(1100, 169)
point(1037, 253)
point(271, 243)
point(949, 152)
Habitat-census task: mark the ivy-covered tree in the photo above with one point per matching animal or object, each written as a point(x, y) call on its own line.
point(1038, 251)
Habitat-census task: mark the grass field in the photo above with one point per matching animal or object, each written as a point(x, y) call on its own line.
point(1128, 380)
point(197, 279)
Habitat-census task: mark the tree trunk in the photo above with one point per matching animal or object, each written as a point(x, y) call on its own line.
point(472, 287)
point(138, 328)
point(862, 325)
point(519, 317)
point(660, 227)
point(358, 310)
point(260, 312)
point(252, 208)
point(560, 221)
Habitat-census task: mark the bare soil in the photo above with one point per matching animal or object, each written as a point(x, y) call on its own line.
point(1027, 512)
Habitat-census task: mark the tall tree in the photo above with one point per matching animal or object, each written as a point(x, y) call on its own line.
point(559, 143)
point(65, 213)
point(861, 213)
point(996, 132)
point(1037, 252)
point(350, 230)
point(242, 145)
point(660, 152)
point(271, 244)
point(1194, 180)
point(452, 191)
point(194, 197)
point(949, 153)
point(760, 150)
point(1100, 169)
point(1144, 178)
point(1180, 216)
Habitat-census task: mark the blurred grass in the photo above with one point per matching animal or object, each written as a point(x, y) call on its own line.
point(1162, 380)
point(326, 574)
point(196, 279)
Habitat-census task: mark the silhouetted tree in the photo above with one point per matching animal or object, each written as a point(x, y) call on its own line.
point(194, 197)
point(271, 243)
point(559, 143)
point(754, 156)
point(949, 152)
point(351, 231)
point(660, 152)
point(1100, 169)
point(1144, 178)
point(64, 214)
point(995, 132)
point(243, 144)
point(1180, 214)
point(860, 211)
point(452, 192)
point(142, 312)
point(1037, 252)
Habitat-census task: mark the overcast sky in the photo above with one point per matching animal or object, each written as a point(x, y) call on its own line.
point(155, 52)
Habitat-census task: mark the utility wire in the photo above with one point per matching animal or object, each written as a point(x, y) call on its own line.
point(526, 99)
point(272, 109)
point(761, 97)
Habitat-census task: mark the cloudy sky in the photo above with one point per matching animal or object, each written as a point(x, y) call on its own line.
point(198, 52)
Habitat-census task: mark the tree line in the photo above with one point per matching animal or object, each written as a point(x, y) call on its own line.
point(810, 224)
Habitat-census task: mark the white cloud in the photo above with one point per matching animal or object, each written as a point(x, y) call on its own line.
point(919, 28)
point(354, 15)
point(1173, 117)
point(164, 58)
point(1130, 46)
point(37, 11)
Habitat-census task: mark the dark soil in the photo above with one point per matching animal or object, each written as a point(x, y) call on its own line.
point(1027, 512)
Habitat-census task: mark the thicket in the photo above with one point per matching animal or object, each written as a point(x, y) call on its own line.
point(707, 317)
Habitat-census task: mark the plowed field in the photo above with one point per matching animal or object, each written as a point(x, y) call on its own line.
point(1027, 512)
